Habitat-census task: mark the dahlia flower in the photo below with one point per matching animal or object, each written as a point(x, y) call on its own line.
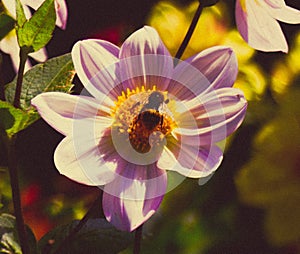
point(9, 44)
point(257, 23)
point(141, 117)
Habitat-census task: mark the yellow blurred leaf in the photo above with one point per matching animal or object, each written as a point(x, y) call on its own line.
point(243, 51)
point(286, 72)
point(271, 179)
point(251, 81)
point(172, 22)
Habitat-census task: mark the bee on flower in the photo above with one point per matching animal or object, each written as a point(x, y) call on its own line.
point(140, 117)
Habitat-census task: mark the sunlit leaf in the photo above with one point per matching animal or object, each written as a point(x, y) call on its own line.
point(13, 120)
point(37, 31)
point(21, 18)
point(96, 236)
point(54, 75)
point(8, 236)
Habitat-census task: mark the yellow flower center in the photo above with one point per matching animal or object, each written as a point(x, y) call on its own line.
point(143, 115)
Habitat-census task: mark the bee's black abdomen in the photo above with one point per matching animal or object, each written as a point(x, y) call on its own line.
point(150, 119)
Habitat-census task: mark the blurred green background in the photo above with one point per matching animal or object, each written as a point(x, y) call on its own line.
point(251, 204)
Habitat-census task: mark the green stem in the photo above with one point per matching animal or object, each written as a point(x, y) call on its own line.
point(2, 91)
point(23, 58)
point(188, 34)
point(13, 172)
point(138, 240)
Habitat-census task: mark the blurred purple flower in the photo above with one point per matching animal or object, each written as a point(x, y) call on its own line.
point(9, 44)
point(257, 23)
point(145, 117)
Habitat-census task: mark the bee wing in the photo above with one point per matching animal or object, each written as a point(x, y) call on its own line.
point(163, 108)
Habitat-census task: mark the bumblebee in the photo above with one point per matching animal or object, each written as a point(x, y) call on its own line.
point(150, 115)
point(149, 119)
point(155, 100)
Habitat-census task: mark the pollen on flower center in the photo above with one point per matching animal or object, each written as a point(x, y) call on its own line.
point(143, 116)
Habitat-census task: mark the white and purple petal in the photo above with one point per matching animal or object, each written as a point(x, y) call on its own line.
point(214, 116)
point(191, 161)
point(61, 13)
point(96, 64)
point(61, 110)
point(285, 14)
point(81, 159)
point(258, 26)
point(40, 55)
point(211, 69)
point(134, 196)
point(11, 8)
point(145, 61)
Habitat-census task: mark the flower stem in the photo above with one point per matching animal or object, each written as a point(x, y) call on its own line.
point(138, 239)
point(189, 33)
point(13, 172)
point(2, 91)
point(79, 226)
point(23, 58)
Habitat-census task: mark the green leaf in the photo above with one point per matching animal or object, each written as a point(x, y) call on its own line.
point(7, 23)
point(96, 236)
point(54, 75)
point(21, 18)
point(9, 242)
point(37, 31)
point(13, 120)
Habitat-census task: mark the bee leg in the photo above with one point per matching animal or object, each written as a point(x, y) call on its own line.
point(161, 121)
point(136, 104)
